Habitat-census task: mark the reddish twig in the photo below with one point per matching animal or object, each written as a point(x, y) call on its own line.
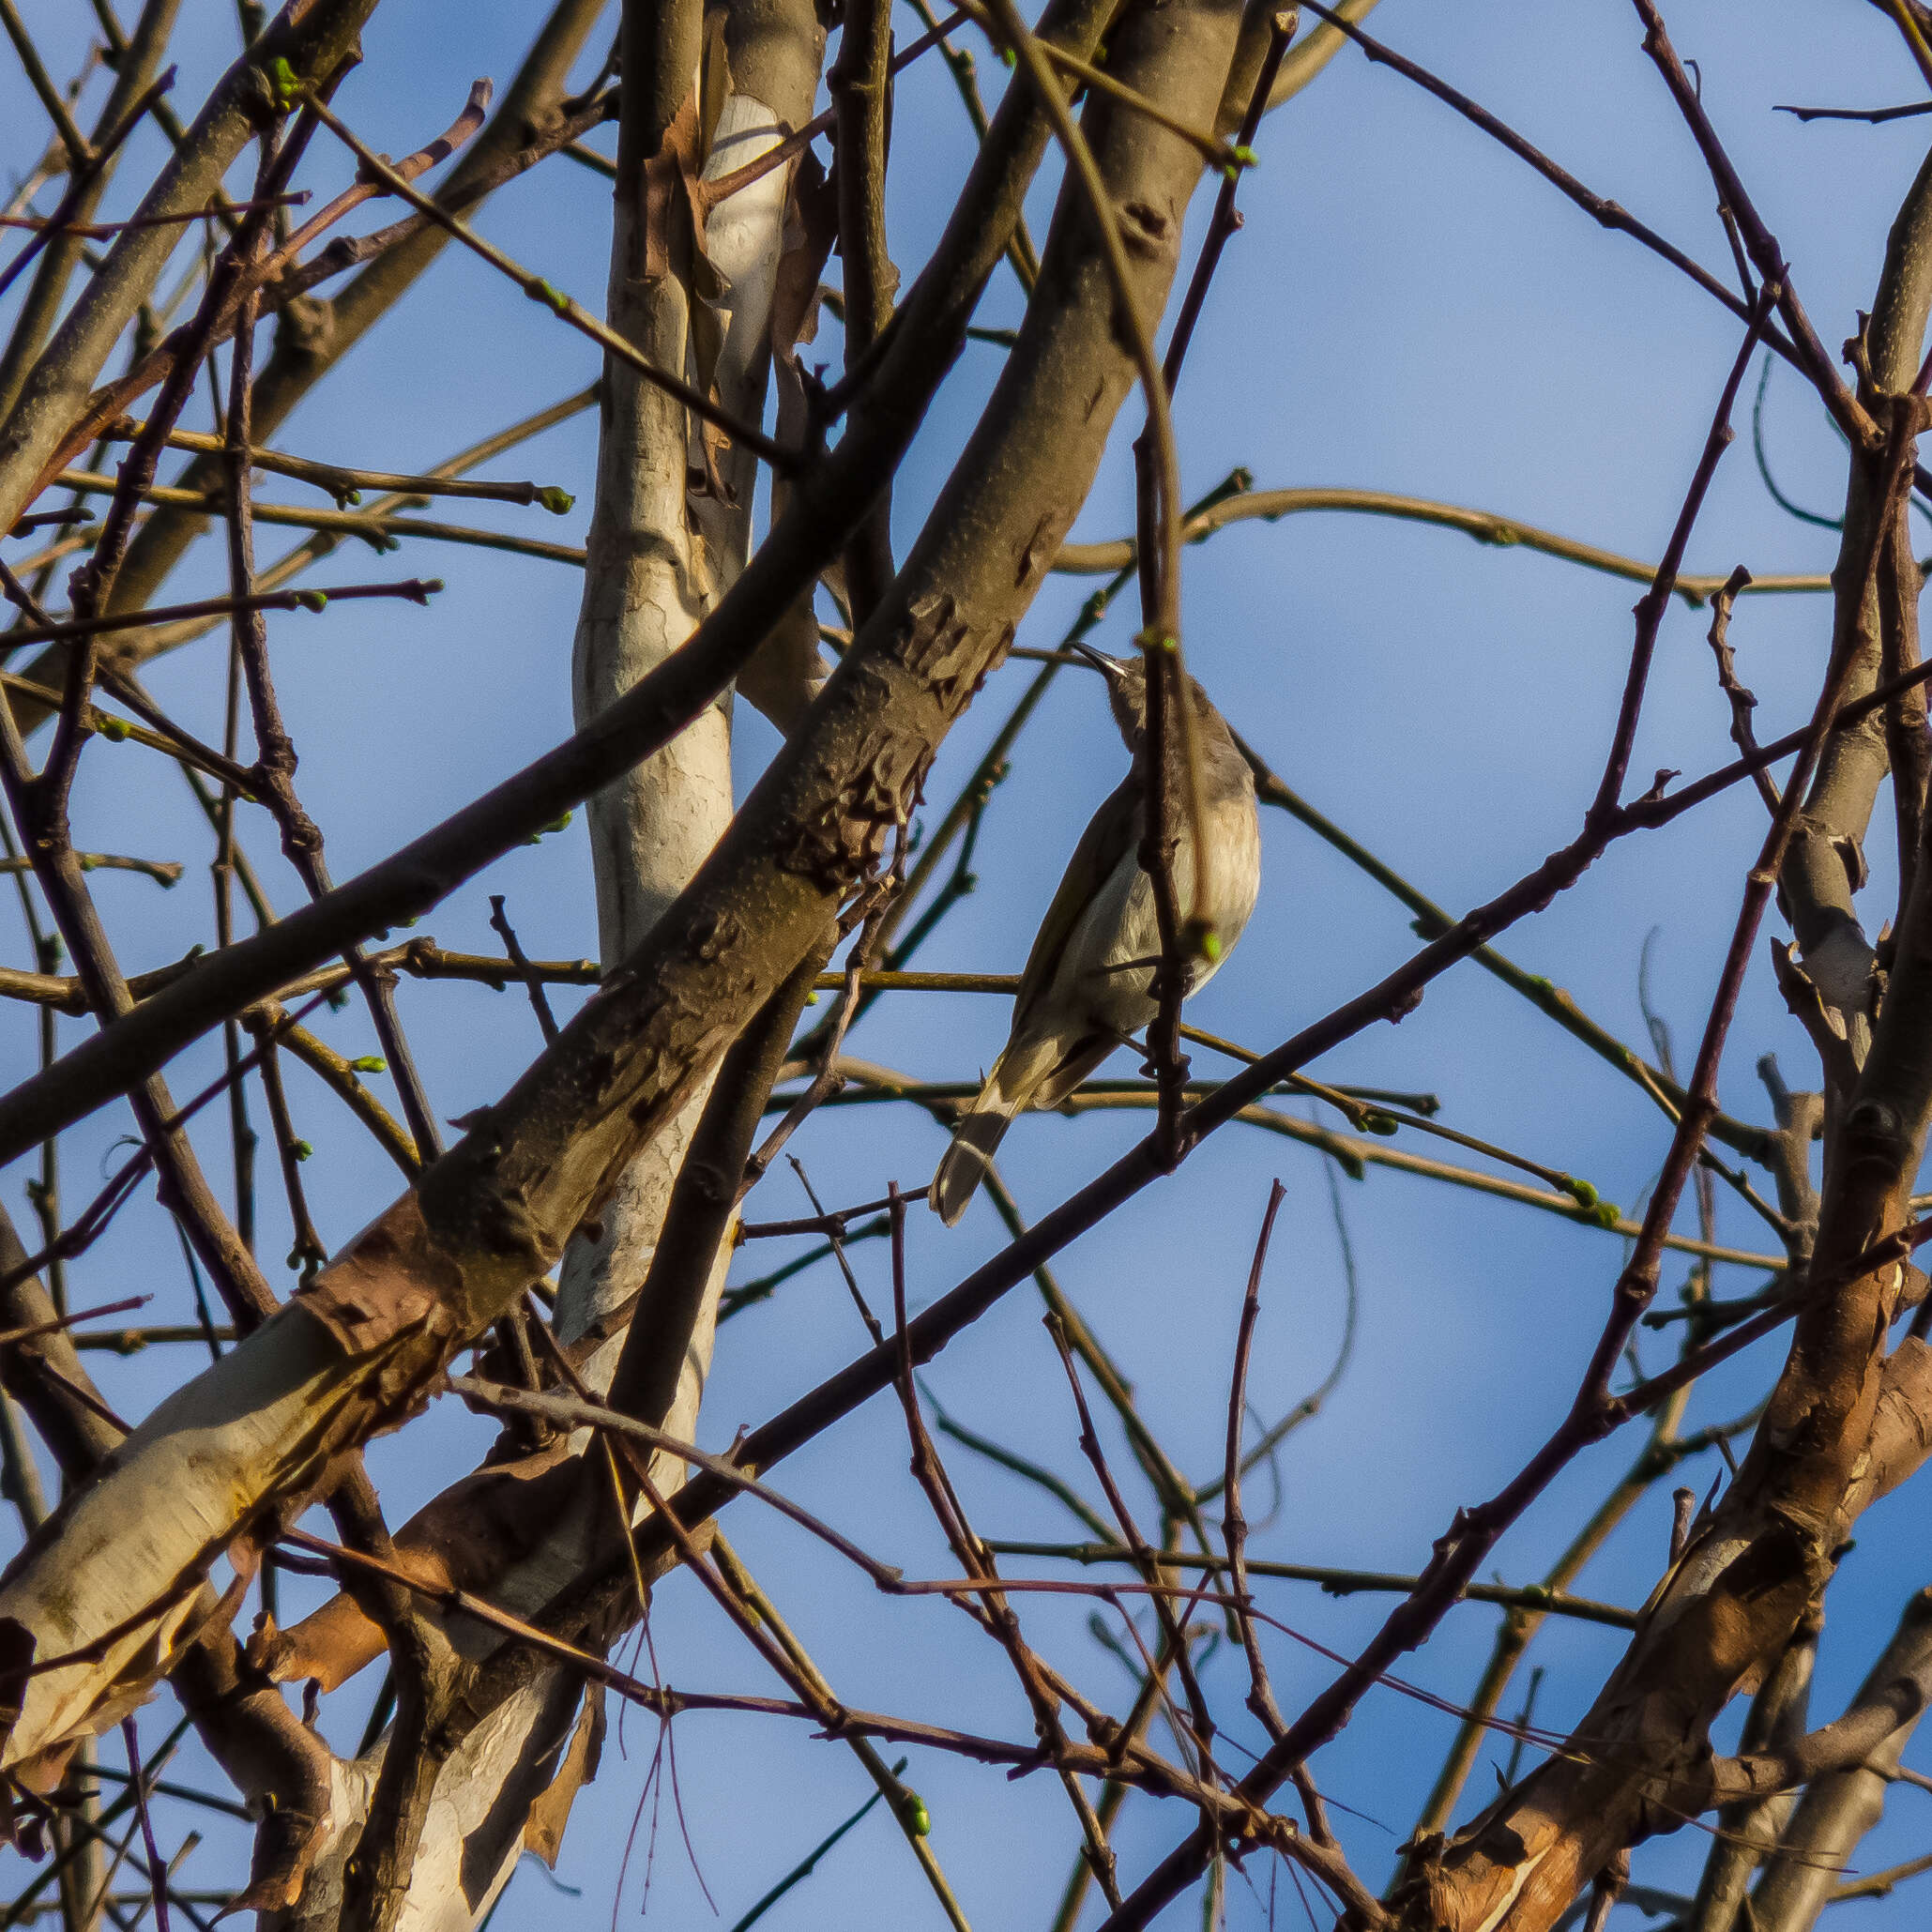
point(1234, 1524)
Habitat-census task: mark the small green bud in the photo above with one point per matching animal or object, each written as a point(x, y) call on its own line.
point(313, 600)
point(369, 1063)
point(811, 999)
point(285, 84)
point(919, 1817)
point(540, 291)
point(1245, 156)
point(556, 825)
point(557, 502)
point(1606, 1213)
point(114, 729)
point(353, 497)
point(302, 1150)
point(1380, 1123)
point(1580, 1192)
point(1009, 57)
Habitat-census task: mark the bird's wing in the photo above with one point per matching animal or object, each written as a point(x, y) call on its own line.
point(1111, 834)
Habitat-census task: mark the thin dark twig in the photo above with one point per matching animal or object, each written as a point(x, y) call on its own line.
point(101, 231)
point(1201, 1719)
point(1655, 601)
point(1760, 242)
point(57, 1323)
point(416, 589)
point(157, 1867)
point(838, 1248)
point(1743, 702)
point(533, 983)
point(308, 1251)
point(1234, 1524)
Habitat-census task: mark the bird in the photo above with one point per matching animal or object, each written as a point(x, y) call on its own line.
point(1075, 1004)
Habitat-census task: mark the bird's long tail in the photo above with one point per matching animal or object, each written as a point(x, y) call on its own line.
point(979, 1131)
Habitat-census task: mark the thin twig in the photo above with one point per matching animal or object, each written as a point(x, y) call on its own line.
point(1234, 1524)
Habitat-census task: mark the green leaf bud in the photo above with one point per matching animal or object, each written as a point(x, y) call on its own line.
point(285, 84)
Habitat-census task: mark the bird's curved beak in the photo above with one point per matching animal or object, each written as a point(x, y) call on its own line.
point(1109, 668)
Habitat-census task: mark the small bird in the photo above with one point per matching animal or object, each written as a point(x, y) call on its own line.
point(1076, 1003)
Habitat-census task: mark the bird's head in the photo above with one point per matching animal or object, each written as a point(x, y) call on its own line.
point(1127, 692)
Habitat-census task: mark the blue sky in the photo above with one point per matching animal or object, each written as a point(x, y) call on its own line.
point(1408, 309)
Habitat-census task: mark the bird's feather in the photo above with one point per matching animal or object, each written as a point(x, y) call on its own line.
point(1112, 833)
point(975, 1137)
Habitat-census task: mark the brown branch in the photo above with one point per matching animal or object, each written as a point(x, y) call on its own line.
point(1485, 526)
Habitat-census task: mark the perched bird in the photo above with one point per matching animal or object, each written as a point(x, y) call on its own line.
point(1075, 1004)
